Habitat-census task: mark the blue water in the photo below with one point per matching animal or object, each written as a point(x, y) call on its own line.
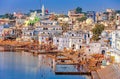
point(25, 66)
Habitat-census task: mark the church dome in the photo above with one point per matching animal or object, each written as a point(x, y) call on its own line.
point(89, 21)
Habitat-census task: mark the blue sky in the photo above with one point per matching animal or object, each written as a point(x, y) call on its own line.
point(60, 6)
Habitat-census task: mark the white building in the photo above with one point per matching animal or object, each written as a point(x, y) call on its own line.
point(50, 30)
point(75, 42)
point(115, 35)
point(93, 48)
point(28, 34)
point(69, 40)
point(64, 20)
point(63, 42)
point(1, 30)
point(47, 32)
point(48, 22)
point(43, 38)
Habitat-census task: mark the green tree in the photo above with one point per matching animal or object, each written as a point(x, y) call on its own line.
point(107, 13)
point(78, 10)
point(82, 19)
point(9, 16)
point(97, 30)
point(5, 16)
point(117, 11)
point(32, 22)
point(112, 18)
point(37, 10)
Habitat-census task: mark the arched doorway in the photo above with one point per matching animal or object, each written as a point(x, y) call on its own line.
point(103, 52)
point(73, 46)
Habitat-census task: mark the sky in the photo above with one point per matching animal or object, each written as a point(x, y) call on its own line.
point(59, 6)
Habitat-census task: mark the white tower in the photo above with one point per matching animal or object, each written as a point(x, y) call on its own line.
point(43, 10)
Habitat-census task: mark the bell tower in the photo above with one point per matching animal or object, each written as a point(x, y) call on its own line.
point(43, 10)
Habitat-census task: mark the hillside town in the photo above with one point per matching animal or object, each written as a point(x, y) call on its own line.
point(89, 38)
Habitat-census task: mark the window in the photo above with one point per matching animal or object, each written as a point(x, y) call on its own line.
point(56, 28)
point(30, 34)
point(73, 46)
point(79, 40)
point(88, 35)
point(80, 47)
point(57, 40)
point(45, 28)
point(89, 50)
point(72, 34)
point(116, 34)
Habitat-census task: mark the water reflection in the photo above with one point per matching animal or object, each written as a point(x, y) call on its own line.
point(25, 66)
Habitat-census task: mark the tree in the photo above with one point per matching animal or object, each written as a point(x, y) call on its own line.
point(8, 15)
point(65, 27)
point(78, 10)
point(117, 11)
point(97, 30)
point(11, 16)
point(82, 19)
point(95, 37)
point(112, 18)
point(107, 13)
point(32, 22)
point(37, 10)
